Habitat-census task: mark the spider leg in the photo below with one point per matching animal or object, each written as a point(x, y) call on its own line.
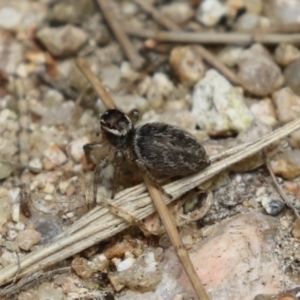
point(89, 148)
point(101, 165)
point(119, 157)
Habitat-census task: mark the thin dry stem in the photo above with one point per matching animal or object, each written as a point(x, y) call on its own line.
point(156, 15)
point(135, 59)
point(175, 239)
point(214, 37)
point(95, 82)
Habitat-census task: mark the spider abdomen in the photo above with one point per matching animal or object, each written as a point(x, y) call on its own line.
point(168, 150)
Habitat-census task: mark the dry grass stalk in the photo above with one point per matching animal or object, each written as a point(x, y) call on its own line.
point(135, 59)
point(214, 37)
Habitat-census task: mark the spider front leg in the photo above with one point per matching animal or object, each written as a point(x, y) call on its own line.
point(119, 157)
point(89, 149)
point(145, 170)
point(100, 166)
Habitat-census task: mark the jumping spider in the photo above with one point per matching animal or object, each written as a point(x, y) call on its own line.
point(154, 147)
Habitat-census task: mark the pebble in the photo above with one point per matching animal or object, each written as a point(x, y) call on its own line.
point(217, 106)
point(65, 12)
point(285, 54)
point(272, 206)
point(28, 238)
point(287, 164)
point(75, 148)
point(11, 235)
point(187, 64)
point(210, 12)
point(229, 55)
point(142, 276)
point(264, 111)
point(292, 76)
point(53, 157)
point(82, 267)
point(5, 206)
point(159, 89)
point(247, 22)
point(9, 18)
point(282, 12)
point(35, 165)
point(49, 188)
point(258, 73)
point(99, 262)
point(11, 53)
point(62, 41)
point(178, 12)
point(296, 229)
point(240, 245)
point(110, 77)
point(5, 170)
point(287, 105)
point(47, 291)
point(15, 212)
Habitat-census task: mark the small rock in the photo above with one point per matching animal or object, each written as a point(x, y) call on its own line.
point(5, 170)
point(11, 53)
point(15, 212)
point(47, 291)
point(285, 54)
point(272, 206)
point(187, 64)
point(292, 76)
point(9, 18)
point(111, 76)
point(82, 267)
point(62, 41)
point(287, 104)
point(75, 148)
point(178, 12)
point(218, 107)
point(28, 238)
point(247, 22)
point(230, 55)
point(210, 12)
point(160, 88)
point(296, 229)
point(54, 157)
point(287, 164)
point(65, 12)
point(99, 262)
point(49, 188)
point(282, 12)
point(143, 275)
point(35, 165)
point(264, 111)
point(258, 73)
point(5, 206)
point(11, 235)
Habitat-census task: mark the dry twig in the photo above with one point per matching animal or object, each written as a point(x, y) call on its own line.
point(214, 37)
point(135, 59)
